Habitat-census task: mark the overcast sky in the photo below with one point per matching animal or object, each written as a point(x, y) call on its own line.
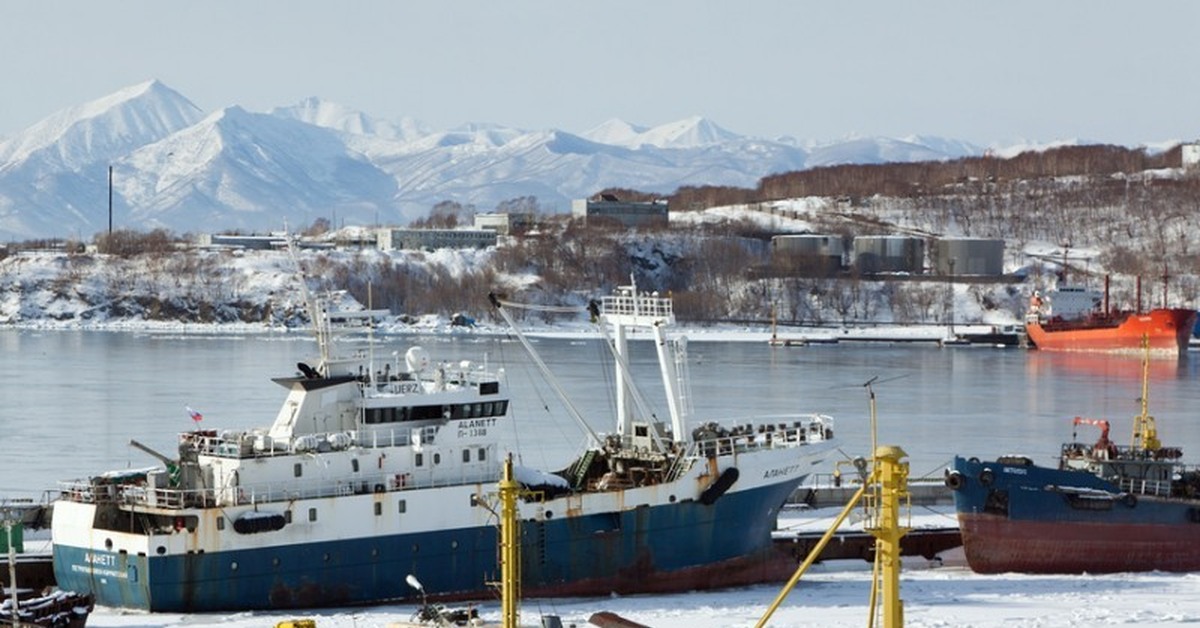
point(993, 73)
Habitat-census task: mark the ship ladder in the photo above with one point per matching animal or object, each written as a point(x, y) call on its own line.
point(581, 468)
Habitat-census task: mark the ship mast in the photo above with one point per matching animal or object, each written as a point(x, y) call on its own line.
point(629, 308)
point(317, 315)
point(1145, 434)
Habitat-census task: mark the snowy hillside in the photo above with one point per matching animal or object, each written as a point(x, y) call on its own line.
point(178, 168)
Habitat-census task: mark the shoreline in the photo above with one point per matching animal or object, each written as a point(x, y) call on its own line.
point(431, 326)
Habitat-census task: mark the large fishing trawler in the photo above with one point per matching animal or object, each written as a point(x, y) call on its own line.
point(371, 473)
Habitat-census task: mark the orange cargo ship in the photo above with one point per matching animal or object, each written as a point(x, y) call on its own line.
point(1081, 320)
point(1166, 329)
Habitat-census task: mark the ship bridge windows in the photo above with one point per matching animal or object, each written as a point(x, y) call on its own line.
point(374, 416)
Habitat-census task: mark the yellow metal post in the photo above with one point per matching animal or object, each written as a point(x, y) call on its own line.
point(1145, 433)
point(510, 548)
point(813, 554)
point(892, 477)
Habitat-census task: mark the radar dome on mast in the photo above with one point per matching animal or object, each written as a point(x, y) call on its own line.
point(417, 359)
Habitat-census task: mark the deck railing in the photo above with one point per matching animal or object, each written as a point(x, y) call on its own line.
point(141, 494)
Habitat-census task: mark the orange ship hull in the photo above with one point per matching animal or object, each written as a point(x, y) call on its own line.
point(1167, 329)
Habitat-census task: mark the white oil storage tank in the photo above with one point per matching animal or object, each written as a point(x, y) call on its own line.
point(808, 252)
point(967, 256)
point(889, 254)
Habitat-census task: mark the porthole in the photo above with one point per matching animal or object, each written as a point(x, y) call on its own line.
point(233, 566)
point(108, 544)
point(161, 550)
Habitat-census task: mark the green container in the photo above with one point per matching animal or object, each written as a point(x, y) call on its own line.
point(18, 539)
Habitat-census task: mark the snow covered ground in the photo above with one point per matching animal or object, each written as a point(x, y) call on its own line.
point(832, 594)
point(828, 596)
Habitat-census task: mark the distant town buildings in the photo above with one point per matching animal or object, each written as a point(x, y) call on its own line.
point(1190, 155)
point(251, 242)
point(504, 224)
point(628, 213)
point(422, 239)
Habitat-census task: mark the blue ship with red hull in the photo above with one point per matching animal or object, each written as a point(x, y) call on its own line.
point(1104, 508)
point(1140, 514)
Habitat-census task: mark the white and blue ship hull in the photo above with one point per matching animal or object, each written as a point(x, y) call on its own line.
point(670, 542)
point(370, 474)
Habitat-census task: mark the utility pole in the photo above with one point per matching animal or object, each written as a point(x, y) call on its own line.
point(110, 175)
point(950, 297)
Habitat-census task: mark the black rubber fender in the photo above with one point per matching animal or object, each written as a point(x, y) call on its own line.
point(986, 477)
point(1130, 500)
point(718, 488)
point(955, 480)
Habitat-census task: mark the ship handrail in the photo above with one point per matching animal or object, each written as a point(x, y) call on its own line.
point(83, 491)
point(1118, 453)
point(637, 305)
point(770, 436)
point(1141, 486)
point(373, 437)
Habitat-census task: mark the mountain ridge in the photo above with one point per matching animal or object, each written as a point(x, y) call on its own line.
point(177, 168)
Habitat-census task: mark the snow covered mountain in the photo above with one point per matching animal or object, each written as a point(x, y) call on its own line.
point(249, 171)
point(176, 168)
point(53, 175)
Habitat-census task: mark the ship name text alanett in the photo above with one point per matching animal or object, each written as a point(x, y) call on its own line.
point(780, 472)
point(475, 427)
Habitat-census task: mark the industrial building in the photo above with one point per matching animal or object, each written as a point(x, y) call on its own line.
point(504, 223)
point(423, 239)
point(630, 214)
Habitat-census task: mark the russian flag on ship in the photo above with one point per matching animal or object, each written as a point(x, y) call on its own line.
point(196, 416)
